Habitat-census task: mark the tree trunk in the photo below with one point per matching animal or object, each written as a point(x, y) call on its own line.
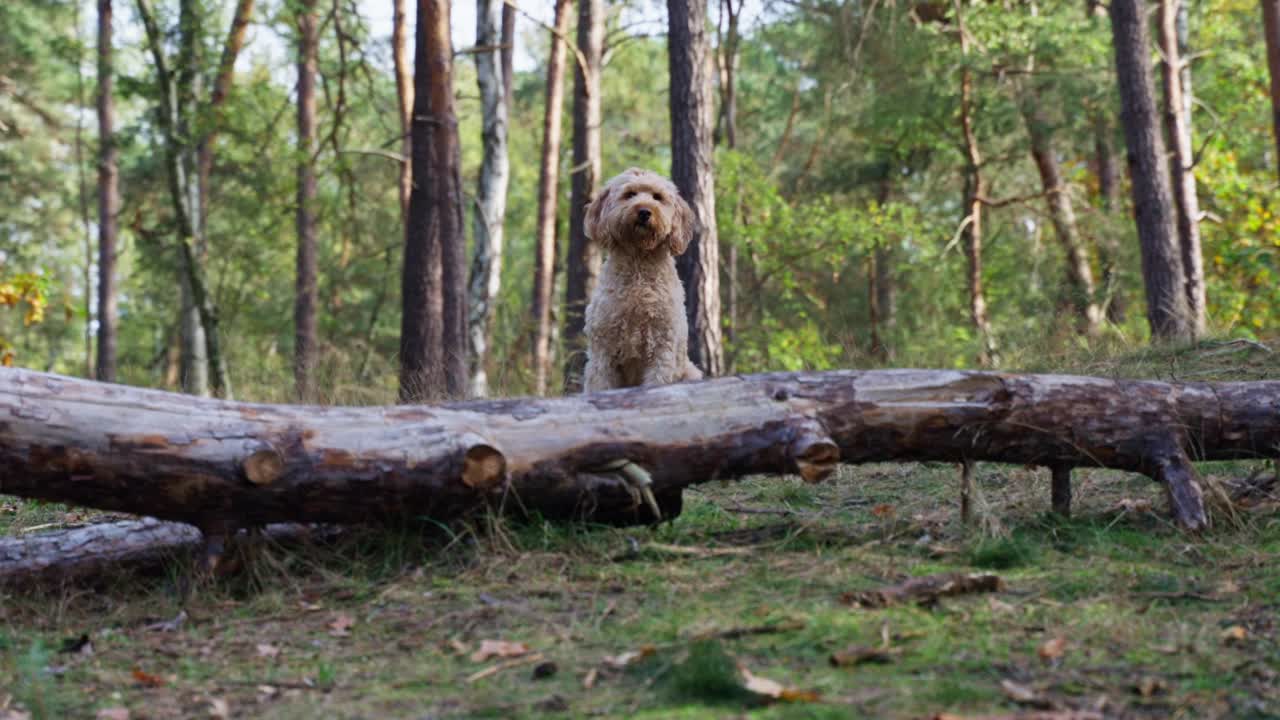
point(1271, 31)
point(1114, 302)
point(306, 299)
point(881, 286)
point(729, 43)
point(508, 53)
point(583, 262)
point(221, 88)
point(1177, 117)
point(404, 93)
point(1079, 274)
point(433, 357)
point(491, 190)
point(1162, 273)
point(108, 200)
point(192, 281)
point(548, 194)
point(975, 190)
point(222, 465)
point(692, 158)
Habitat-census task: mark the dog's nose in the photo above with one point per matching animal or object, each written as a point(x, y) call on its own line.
point(643, 215)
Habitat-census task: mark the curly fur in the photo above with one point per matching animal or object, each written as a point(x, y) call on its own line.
point(637, 333)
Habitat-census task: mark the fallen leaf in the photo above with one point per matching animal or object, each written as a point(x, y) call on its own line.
point(268, 691)
point(112, 713)
point(773, 689)
point(457, 646)
point(589, 680)
point(1128, 505)
point(925, 589)
point(498, 648)
point(1052, 650)
point(859, 654)
point(883, 511)
point(629, 658)
point(1022, 694)
point(999, 606)
point(267, 650)
point(504, 665)
point(1228, 587)
point(147, 679)
point(1148, 686)
point(218, 709)
point(341, 624)
point(1234, 634)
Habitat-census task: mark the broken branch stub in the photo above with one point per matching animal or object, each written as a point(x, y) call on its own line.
point(222, 465)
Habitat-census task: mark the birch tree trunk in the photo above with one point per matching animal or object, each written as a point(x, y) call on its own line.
point(433, 357)
point(1271, 33)
point(548, 194)
point(108, 199)
point(1079, 274)
point(491, 190)
point(692, 158)
point(1167, 311)
point(583, 261)
point(306, 295)
point(1177, 116)
point(404, 94)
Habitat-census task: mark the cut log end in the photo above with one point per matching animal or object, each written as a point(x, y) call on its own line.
point(814, 454)
point(264, 466)
point(484, 467)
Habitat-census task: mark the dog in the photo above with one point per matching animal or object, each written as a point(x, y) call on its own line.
point(636, 328)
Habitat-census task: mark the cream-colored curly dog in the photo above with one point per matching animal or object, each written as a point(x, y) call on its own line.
point(636, 329)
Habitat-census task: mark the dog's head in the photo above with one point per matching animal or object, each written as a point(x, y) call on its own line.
point(639, 213)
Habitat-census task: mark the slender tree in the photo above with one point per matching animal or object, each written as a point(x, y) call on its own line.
point(881, 284)
point(433, 359)
point(583, 262)
point(548, 192)
point(975, 190)
point(1271, 31)
point(491, 190)
point(692, 156)
point(1162, 273)
point(1062, 214)
point(1177, 120)
point(404, 93)
point(727, 45)
point(221, 89)
point(306, 293)
point(108, 200)
point(508, 51)
point(1104, 168)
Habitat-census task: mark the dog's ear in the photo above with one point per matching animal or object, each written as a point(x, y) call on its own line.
point(595, 209)
point(683, 226)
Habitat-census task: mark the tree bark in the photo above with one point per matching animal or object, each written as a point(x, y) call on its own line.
point(975, 189)
point(108, 200)
point(221, 88)
point(548, 194)
point(1177, 118)
point(729, 43)
point(404, 93)
point(307, 291)
point(1114, 302)
point(692, 160)
point(583, 261)
point(1079, 274)
point(223, 465)
point(881, 284)
point(491, 189)
point(1271, 32)
point(433, 357)
point(508, 53)
point(1162, 271)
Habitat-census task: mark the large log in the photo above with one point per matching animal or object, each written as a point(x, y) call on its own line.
point(223, 465)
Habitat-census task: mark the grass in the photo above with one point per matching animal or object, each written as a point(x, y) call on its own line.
point(383, 623)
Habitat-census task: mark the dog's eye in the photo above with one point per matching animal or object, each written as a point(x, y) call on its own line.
point(628, 195)
point(657, 197)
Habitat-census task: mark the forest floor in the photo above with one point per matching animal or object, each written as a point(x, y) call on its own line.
point(1113, 611)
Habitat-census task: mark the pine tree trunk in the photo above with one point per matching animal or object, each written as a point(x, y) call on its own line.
point(881, 300)
point(583, 261)
point(1271, 32)
point(1079, 273)
point(108, 200)
point(692, 160)
point(221, 88)
point(1177, 117)
point(1162, 273)
point(433, 358)
point(306, 295)
point(491, 191)
point(548, 195)
point(508, 54)
point(404, 94)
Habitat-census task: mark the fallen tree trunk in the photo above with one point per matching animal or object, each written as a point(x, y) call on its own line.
point(223, 465)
